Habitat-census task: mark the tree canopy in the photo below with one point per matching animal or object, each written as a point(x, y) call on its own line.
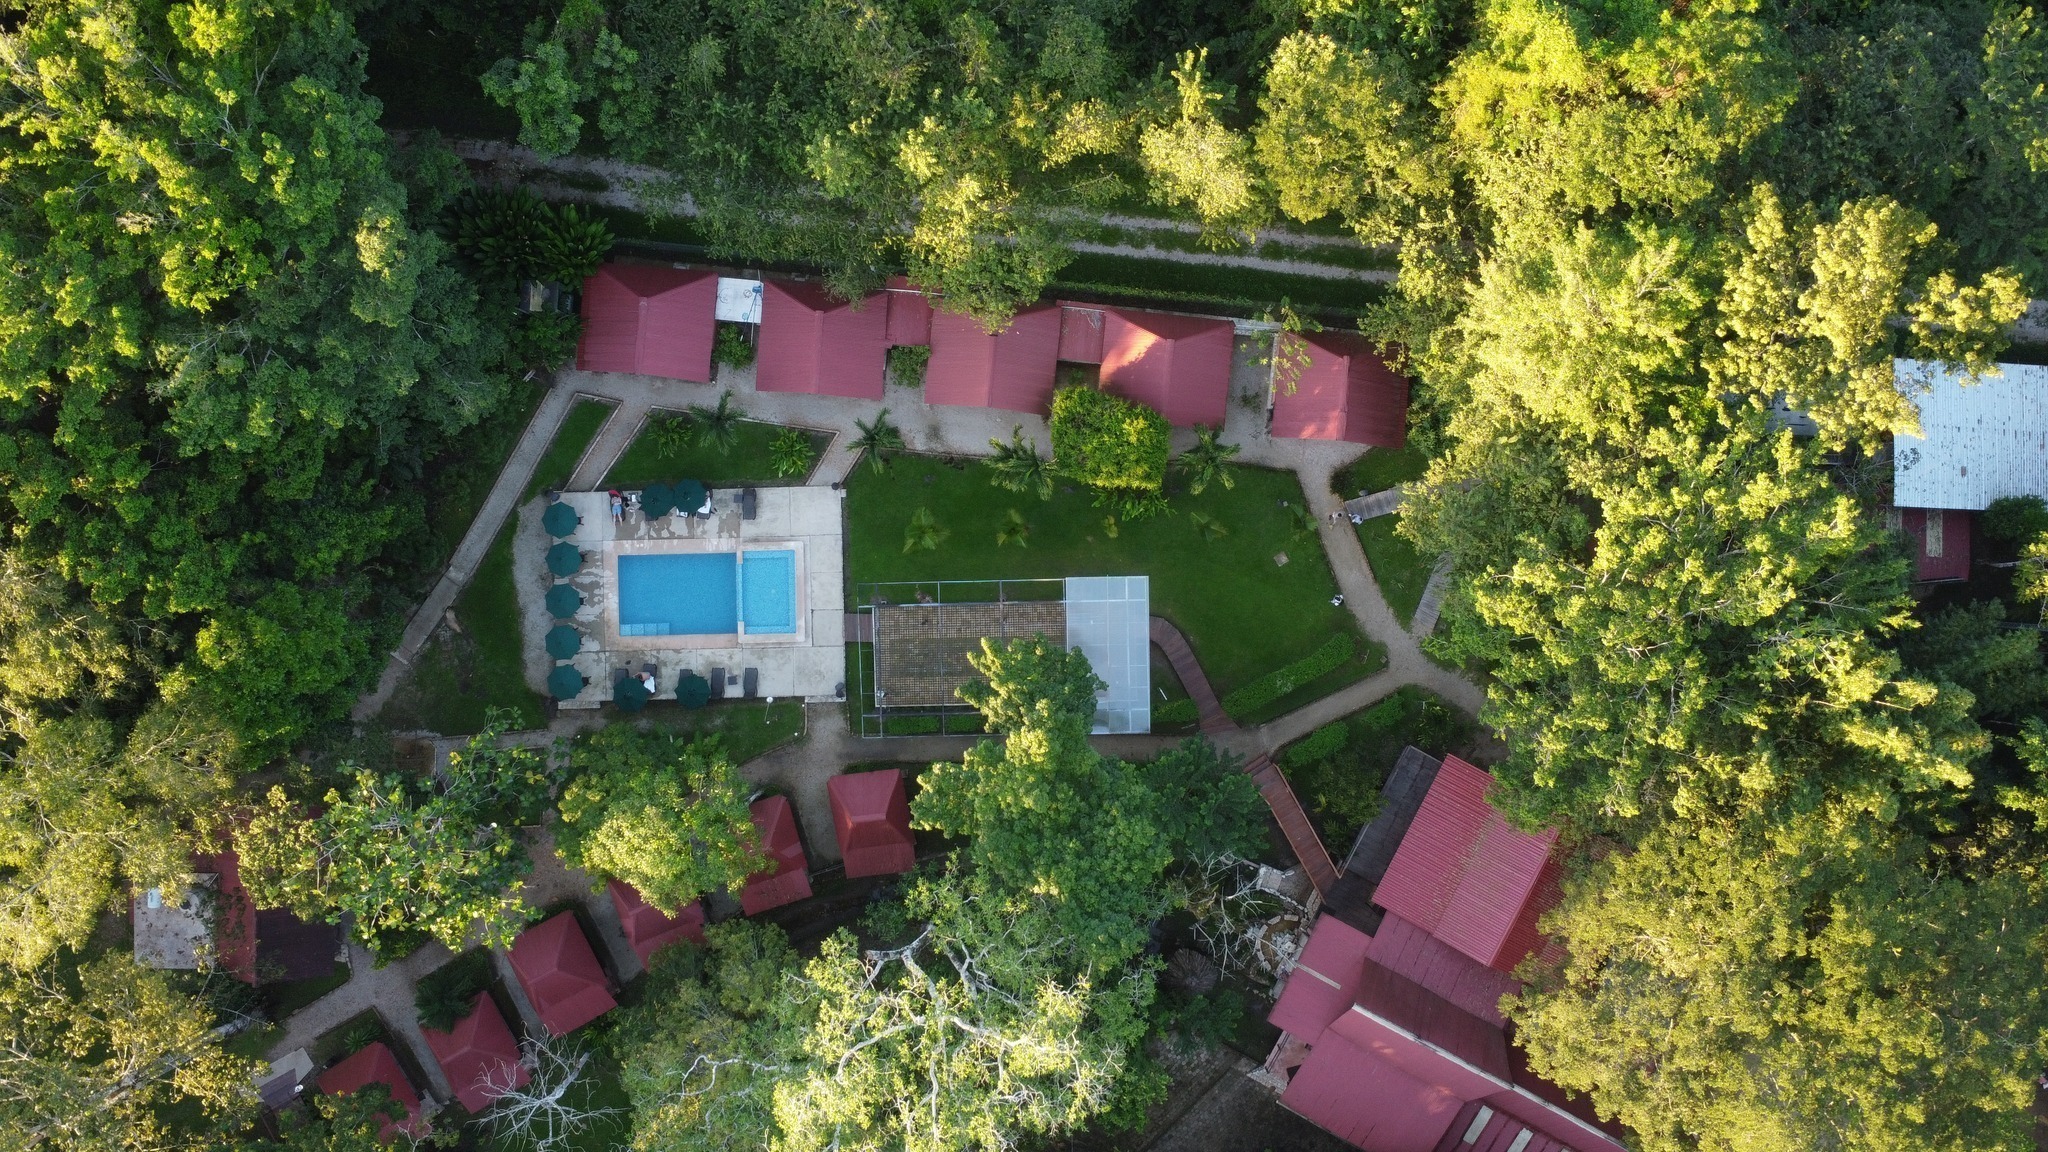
point(666, 816)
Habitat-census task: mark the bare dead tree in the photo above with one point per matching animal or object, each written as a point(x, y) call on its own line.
point(1249, 925)
point(553, 1107)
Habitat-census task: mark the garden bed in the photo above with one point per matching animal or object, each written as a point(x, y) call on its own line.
point(748, 461)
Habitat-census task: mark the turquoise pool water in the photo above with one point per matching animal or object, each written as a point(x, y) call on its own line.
point(707, 593)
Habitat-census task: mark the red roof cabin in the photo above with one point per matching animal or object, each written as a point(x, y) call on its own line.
point(561, 975)
point(787, 878)
point(871, 815)
point(479, 1055)
point(813, 342)
point(1938, 538)
point(910, 314)
point(651, 319)
point(1012, 370)
point(1176, 365)
point(649, 929)
point(374, 1064)
point(1345, 392)
point(1406, 1048)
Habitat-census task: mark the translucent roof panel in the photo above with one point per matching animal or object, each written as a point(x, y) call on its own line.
point(1109, 618)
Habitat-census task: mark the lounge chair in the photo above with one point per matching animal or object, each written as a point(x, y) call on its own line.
point(717, 679)
point(650, 670)
point(750, 683)
point(749, 503)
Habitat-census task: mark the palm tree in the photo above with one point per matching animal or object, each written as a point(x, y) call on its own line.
point(1209, 460)
point(1014, 531)
point(1018, 467)
point(924, 533)
point(880, 440)
point(672, 435)
point(720, 426)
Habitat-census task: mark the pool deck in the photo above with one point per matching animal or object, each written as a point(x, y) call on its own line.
point(809, 662)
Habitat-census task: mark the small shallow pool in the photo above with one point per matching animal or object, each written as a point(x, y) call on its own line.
point(707, 593)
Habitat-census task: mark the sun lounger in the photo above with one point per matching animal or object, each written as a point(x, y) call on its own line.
point(750, 683)
point(749, 503)
point(717, 683)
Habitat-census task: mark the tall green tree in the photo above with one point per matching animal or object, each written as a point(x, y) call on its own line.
point(668, 817)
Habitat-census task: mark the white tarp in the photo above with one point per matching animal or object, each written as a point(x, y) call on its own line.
point(1109, 618)
point(739, 301)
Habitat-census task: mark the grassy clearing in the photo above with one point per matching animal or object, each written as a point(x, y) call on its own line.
point(462, 478)
point(747, 462)
point(458, 679)
point(1338, 769)
point(1243, 614)
point(746, 729)
point(572, 439)
point(1401, 573)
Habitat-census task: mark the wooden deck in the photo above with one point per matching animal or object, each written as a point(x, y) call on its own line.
point(1192, 678)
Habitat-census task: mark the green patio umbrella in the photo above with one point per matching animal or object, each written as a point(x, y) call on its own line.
point(564, 641)
point(564, 682)
point(692, 690)
point(657, 500)
point(689, 496)
point(564, 559)
point(559, 519)
point(563, 601)
point(629, 694)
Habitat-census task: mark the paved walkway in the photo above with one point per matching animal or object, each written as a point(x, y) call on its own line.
point(1378, 504)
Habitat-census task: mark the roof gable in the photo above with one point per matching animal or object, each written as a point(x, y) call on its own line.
point(814, 342)
point(648, 929)
point(787, 878)
point(1013, 369)
point(871, 816)
point(1177, 365)
point(651, 319)
point(479, 1055)
point(561, 975)
point(1344, 392)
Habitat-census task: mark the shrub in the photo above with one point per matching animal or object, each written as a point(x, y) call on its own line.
point(907, 363)
point(500, 232)
point(572, 245)
point(1273, 685)
point(2014, 520)
point(792, 452)
point(1317, 745)
point(1176, 712)
point(444, 995)
point(544, 341)
point(730, 346)
point(1109, 443)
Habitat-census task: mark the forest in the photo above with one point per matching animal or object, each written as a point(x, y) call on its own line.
point(250, 360)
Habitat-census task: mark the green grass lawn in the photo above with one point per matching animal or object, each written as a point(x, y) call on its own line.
point(458, 679)
point(747, 729)
point(578, 429)
point(600, 1088)
point(747, 462)
point(1399, 571)
point(1243, 614)
point(1379, 469)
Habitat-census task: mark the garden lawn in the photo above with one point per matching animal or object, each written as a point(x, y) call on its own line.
point(1378, 470)
point(747, 463)
point(1244, 615)
point(745, 729)
point(1400, 572)
point(459, 678)
point(572, 439)
point(599, 1090)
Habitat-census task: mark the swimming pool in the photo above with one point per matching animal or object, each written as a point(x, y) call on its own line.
point(707, 593)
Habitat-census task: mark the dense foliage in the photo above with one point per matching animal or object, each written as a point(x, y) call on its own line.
point(667, 816)
point(1115, 446)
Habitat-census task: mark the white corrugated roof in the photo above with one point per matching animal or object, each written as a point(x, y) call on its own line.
point(1978, 441)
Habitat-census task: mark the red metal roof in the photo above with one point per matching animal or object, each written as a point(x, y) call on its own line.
point(787, 878)
point(234, 917)
point(1346, 1088)
point(814, 342)
point(479, 1055)
point(1345, 392)
point(1324, 983)
point(1939, 541)
point(910, 314)
point(1081, 333)
point(1178, 365)
point(561, 975)
point(649, 929)
point(375, 1064)
point(1013, 370)
point(650, 319)
point(1463, 875)
point(871, 815)
point(1408, 950)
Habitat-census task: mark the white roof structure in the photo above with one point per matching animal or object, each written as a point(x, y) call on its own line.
point(175, 936)
point(739, 301)
point(1109, 618)
point(1978, 442)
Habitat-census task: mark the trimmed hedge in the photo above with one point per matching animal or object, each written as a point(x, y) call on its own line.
point(1181, 711)
point(1320, 744)
point(1273, 685)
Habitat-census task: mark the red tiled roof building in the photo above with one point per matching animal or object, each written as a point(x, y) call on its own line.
point(651, 319)
point(1012, 369)
point(1344, 392)
point(1407, 1049)
point(813, 342)
point(649, 929)
point(375, 1064)
point(561, 975)
point(787, 878)
point(1177, 365)
point(910, 314)
point(479, 1055)
point(871, 815)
